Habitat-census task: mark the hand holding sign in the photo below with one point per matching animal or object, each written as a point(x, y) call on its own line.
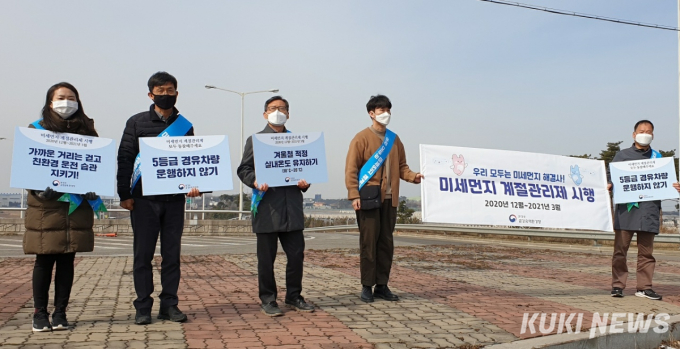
point(262, 187)
point(128, 204)
point(302, 184)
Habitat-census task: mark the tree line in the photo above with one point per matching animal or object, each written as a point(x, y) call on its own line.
point(607, 155)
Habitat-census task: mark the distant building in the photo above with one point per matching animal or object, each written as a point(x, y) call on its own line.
point(321, 206)
point(317, 197)
point(10, 199)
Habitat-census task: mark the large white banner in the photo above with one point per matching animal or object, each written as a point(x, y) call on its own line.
point(509, 188)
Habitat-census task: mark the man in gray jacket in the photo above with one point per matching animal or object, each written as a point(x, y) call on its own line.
point(277, 215)
point(643, 218)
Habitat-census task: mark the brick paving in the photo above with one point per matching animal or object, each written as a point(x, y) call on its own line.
point(451, 297)
point(413, 321)
point(15, 291)
point(494, 304)
point(224, 311)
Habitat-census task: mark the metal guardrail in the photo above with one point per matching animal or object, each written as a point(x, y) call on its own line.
point(514, 231)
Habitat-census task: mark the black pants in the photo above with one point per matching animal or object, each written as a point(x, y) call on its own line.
point(63, 279)
point(376, 243)
point(293, 244)
point(149, 218)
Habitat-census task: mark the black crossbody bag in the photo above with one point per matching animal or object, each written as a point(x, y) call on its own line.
point(370, 195)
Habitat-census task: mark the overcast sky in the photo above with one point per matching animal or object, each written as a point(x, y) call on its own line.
point(462, 72)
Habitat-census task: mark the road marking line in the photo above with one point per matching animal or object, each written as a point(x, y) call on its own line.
point(113, 243)
point(205, 238)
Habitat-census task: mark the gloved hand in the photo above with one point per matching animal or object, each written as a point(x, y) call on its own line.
point(48, 194)
point(90, 196)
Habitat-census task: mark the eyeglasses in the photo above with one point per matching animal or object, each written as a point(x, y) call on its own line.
point(277, 108)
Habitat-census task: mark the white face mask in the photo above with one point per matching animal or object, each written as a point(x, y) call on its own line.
point(277, 118)
point(643, 139)
point(64, 107)
point(384, 118)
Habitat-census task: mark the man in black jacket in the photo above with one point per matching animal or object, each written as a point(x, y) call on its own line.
point(151, 215)
point(279, 217)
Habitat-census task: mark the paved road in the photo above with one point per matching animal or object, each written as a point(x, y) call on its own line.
point(10, 246)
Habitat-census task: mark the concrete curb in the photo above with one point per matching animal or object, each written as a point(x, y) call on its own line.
point(626, 340)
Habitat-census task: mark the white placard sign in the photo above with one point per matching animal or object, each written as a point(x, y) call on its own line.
point(66, 162)
point(643, 180)
point(172, 165)
point(282, 159)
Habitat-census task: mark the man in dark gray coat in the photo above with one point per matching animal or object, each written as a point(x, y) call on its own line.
point(643, 218)
point(277, 216)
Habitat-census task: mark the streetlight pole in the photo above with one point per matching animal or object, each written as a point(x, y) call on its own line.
point(243, 95)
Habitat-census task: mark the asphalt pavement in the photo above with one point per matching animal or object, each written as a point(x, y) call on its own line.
point(11, 245)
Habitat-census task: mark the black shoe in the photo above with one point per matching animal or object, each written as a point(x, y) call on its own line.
point(300, 305)
point(648, 294)
point(382, 291)
point(172, 313)
point(271, 309)
point(143, 317)
point(59, 322)
point(367, 294)
point(41, 321)
point(617, 292)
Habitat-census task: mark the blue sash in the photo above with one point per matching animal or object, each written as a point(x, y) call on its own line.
point(377, 159)
point(178, 128)
point(257, 196)
point(74, 200)
point(630, 205)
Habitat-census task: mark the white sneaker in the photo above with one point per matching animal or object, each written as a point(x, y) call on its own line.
point(648, 294)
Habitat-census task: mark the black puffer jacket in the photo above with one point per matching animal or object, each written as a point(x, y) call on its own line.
point(280, 210)
point(144, 124)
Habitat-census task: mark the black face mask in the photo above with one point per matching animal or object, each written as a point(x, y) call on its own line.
point(165, 101)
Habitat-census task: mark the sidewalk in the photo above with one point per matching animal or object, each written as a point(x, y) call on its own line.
point(451, 296)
